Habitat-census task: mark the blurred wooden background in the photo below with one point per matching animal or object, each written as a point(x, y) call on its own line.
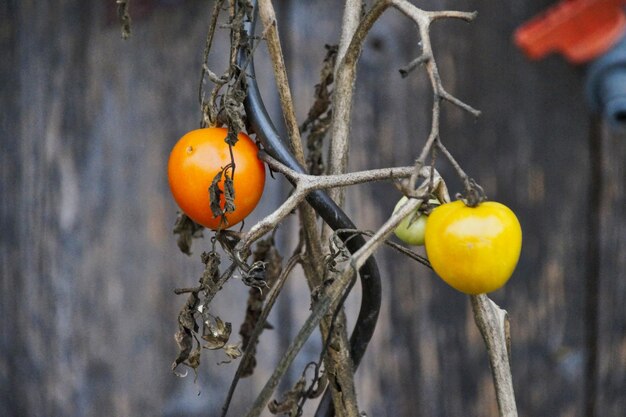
point(88, 261)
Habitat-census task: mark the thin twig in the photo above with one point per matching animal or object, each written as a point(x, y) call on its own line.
point(422, 59)
point(400, 248)
point(474, 193)
point(342, 98)
point(338, 362)
point(424, 190)
point(460, 172)
point(428, 146)
point(349, 23)
point(423, 19)
point(260, 324)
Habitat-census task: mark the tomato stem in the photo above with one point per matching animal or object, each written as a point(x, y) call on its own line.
point(474, 193)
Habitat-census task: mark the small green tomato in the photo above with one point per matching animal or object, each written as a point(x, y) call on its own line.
point(412, 228)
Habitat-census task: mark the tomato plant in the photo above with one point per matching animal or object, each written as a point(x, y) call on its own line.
point(194, 162)
point(473, 249)
point(412, 228)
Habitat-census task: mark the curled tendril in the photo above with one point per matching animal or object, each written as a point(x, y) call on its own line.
point(255, 276)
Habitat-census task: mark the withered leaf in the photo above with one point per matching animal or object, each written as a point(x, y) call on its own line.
point(290, 403)
point(233, 352)
point(229, 194)
point(123, 16)
point(216, 333)
point(233, 106)
point(214, 195)
point(186, 320)
point(187, 230)
point(184, 340)
point(266, 255)
point(232, 137)
point(193, 361)
point(211, 273)
point(255, 276)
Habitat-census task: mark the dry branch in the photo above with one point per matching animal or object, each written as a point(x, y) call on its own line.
point(335, 291)
point(490, 319)
point(493, 324)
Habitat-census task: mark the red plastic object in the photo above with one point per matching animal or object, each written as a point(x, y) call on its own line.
point(579, 29)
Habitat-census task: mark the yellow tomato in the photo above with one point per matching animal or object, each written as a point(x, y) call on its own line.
point(473, 249)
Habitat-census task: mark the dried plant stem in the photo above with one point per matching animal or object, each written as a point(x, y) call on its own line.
point(490, 319)
point(423, 19)
point(351, 16)
point(318, 182)
point(321, 308)
point(428, 146)
point(305, 184)
point(400, 248)
point(338, 361)
point(342, 97)
point(493, 323)
point(268, 18)
point(336, 290)
point(457, 167)
point(307, 214)
point(430, 185)
point(269, 304)
point(345, 77)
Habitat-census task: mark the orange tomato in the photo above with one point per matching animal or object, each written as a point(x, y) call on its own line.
point(197, 158)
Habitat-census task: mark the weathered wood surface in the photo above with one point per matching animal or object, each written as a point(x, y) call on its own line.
point(88, 262)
